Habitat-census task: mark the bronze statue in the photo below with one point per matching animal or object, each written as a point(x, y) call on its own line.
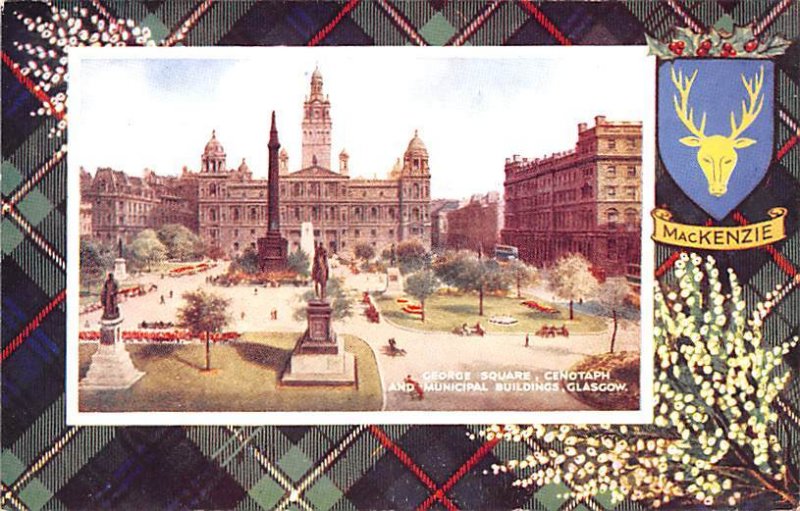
point(393, 255)
point(109, 298)
point(319, 271)
point(119, 248)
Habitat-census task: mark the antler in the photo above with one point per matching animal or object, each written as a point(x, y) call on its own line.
point(749, 113)
point(686, 114)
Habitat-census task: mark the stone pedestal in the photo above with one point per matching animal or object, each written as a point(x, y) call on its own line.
point(319, 357)
point(394, 284)
point(272, 252)
point(111, 367)
point(120, 269)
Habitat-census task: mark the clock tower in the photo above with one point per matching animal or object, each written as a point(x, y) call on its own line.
point(316, 126)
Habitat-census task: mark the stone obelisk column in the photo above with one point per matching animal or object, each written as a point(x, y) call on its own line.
point(272, 249)
point(111, 367)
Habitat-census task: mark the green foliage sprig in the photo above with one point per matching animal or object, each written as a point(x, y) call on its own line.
point(742, 43)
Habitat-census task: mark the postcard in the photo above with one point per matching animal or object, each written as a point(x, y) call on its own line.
point(350, 235)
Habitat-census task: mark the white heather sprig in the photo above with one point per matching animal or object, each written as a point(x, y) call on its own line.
point(715, 386)
point(46, 63)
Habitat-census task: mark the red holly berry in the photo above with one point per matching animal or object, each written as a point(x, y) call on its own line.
point(702, 52)
point(731, 53)
point(680, 44)
point(751, 45)
point(706, 45)
point(727, 47)
point(675, 48)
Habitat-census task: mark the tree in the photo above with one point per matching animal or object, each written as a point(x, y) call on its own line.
point(411, 255)
point(298, 262)
point(612, 295)
point(571, 279)
point(147, 248)
point(202, 314)
point(421, 285)
point(247, 262)
point(180, 242)
point(522, 273)
point(96, 259)
point(364, 251)
point(469, 273)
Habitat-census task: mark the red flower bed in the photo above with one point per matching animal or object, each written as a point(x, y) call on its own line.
point(539, 307)
point(402, 300)
point(160, 336)
point(412, 309)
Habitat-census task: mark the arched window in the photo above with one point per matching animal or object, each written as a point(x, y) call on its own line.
point(235, 214)
point(415, 214)
point(631, 217)
point(212, 214)
point(613, 217)
point(253, 213)
point(212, 190)
point(415, 191)
point(391, 213)
point(373, 213)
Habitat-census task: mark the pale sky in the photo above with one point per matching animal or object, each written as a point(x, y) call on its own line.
point(473, 107)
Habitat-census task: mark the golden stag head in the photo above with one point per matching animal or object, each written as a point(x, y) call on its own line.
point(716, 154)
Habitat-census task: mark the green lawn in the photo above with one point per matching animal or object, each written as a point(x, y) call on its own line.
point(244, 378)
point(445, 312)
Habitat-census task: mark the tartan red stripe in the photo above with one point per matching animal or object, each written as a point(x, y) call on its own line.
point(33, 325)
point(475, 24)
point(415, 469)
point(478, 455)
point(666, 265)
point(773, 14)
point(183, 29)
point(28, 83)
point(786, 147)
point(401, 22)
point(783, 263)
point(545, 22)
point(327, 29)
point(687, 18)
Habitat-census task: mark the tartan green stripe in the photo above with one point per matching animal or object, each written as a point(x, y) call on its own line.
point(461, 13)
point(75, 454)
point(500, 26)
point(418, 13)
point(39, 267)
point(36, 149)
point(217, 22)
point(378, 25)
point(44, 430)
point(214, 442)
point(657, 18)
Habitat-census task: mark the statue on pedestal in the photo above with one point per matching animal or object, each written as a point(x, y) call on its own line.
point(319, 271)
point(108, 297)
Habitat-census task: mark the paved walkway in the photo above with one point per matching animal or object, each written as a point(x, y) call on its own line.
point(427, 353)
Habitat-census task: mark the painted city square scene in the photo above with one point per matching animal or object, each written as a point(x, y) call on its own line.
point(355, 231)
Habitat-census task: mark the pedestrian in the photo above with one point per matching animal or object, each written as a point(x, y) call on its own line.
point(170, 293)
point(242, 315)
point(255, 291)
point(527, 340)
point(162, 300)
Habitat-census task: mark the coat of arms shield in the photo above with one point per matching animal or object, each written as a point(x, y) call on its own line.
point(715, 127)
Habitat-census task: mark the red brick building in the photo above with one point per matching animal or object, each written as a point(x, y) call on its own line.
point(587, 200)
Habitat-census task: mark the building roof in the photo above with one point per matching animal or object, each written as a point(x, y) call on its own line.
point(213, 147)
point(416, 145)
point(317, 172)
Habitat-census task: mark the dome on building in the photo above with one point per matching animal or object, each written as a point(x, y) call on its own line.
point(416, 145)
point(344, 154)
point(316, 74)
point(397, 169)
point(243, 166)
point(213, 146)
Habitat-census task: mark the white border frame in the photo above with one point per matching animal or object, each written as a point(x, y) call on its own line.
point(75, 417)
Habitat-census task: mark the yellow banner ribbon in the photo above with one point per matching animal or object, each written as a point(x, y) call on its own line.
point(703, 237)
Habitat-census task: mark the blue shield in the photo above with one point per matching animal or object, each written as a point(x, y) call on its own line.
point(717, 163)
